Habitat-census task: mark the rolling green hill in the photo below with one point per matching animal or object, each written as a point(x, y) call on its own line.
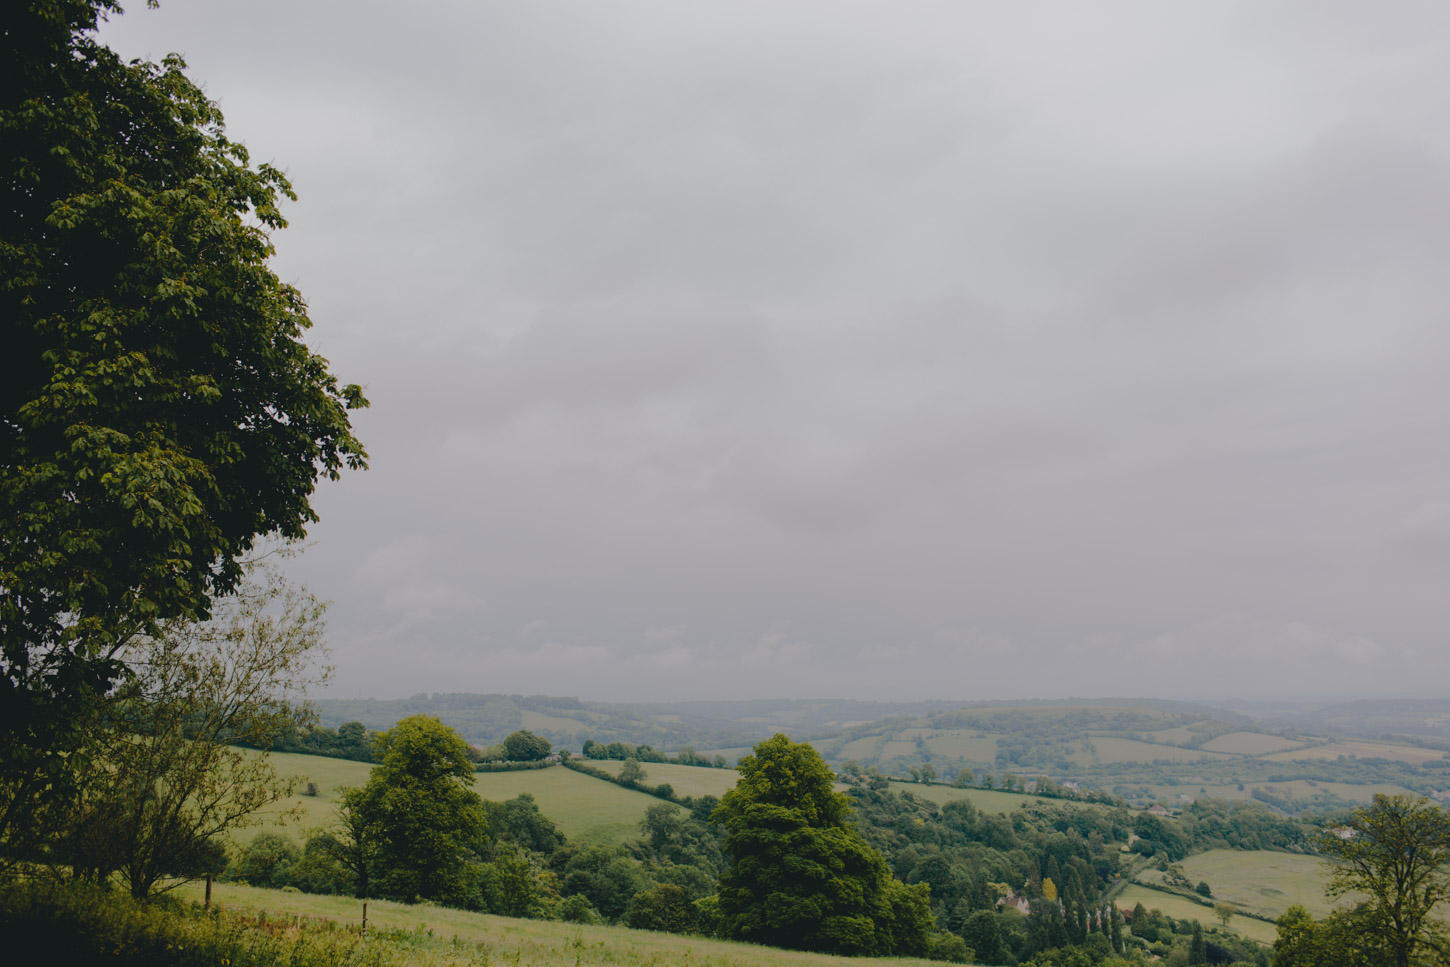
point(584, 808)
point(1139, 750)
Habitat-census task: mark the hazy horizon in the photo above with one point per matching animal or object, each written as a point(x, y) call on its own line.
point(837, 349)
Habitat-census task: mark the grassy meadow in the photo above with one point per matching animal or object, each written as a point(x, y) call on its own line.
point(986, 800)
point(489, 939)
point(1262, 881)
point(1112, 750)
point(584, 808)
point(685, 780)
point(1362, 749)
point(1184, 909)
point(1250, 743)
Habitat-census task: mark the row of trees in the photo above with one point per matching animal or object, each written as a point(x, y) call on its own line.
point(621, 751)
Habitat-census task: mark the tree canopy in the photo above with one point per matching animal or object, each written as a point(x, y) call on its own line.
point(525, 746)
point(799, 874)
point(159, 410)
point(419, 811)
point(1396, 856)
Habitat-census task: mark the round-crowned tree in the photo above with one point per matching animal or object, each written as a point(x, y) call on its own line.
point(800, 875)
point(420, 811)
point(525, 746)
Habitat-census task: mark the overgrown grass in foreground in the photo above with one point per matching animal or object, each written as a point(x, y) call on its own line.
point(248, 927)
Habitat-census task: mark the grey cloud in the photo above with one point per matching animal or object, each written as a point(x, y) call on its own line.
point(813, 348)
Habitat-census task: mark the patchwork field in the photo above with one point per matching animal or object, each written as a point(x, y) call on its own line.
point(1291, 789)
point(530, 943)
point(1363, 749)
point(987, 800)
point(543, 722)
point(1262, 881)
point(1112, 750)
point(1178, 735)
point(964, 744)
point(865, 748)
point(584, 808)
point(686, 780)
point(898, 749)
point(1185, 909)
point(1250, 743)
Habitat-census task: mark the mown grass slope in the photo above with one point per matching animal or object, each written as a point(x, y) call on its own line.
point(1185, 909)
point(585, 808)
point(685, 780)
point(1262, 881)
point(532, 943)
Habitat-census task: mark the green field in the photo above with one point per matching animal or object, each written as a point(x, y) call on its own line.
point(987, 800)
point(1262, 881)
point(1364, 750)
point(584, 808)
point(964, 744)
point(298, 813)
point(543, 722)
point(686, 780)
point(1293, 789)
point(866, 748)
point(1250, 743)
point(531, 943)
point(1112, 750)
point(1179, 735)
point(1185, 909)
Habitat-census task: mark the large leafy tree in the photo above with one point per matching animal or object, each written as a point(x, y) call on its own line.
point(159, 409)
point(1397, 858)
point(419, 812)
point(800, 875)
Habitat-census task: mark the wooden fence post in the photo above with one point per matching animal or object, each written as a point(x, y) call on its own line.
point(207, 904)
point(365, 918)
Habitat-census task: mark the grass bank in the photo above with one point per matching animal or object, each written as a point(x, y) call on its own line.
point(249, 927)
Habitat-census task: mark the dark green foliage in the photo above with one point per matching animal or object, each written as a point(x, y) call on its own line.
point(351, 740)
point(420, 811)
point(631, 774)
point(509, 884)
point(266, 861)
point(1197, 951)
point(525, 746)
point(949, 947)
point(606, 877)
point(1347, 938)
point(318, 869)
point(1398, 858)
point(577, 909)
point(1203, 889)
point(664, 907)
point(673, 837)
point(159, 408)
point(800, 876)
point(984, 936)
point(519, 821)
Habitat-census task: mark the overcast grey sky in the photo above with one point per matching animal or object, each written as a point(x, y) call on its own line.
point(892, 350)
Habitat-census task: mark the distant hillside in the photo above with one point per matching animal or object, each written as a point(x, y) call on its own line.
point(487, 719)
point(1142, 750)
point(1422, 720)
